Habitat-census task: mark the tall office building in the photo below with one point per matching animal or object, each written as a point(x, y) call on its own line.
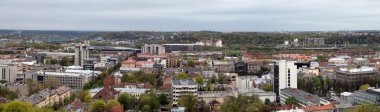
point(153, 49)
point(8, 73)
point(82, 53)
point(285, 76)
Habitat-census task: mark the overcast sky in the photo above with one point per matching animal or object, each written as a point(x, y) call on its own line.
point(194, 15)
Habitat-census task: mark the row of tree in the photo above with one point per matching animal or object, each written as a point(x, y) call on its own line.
point(147, 102)
point(316, 85)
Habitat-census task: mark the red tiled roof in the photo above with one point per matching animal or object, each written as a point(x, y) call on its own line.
point(109, 81)
point(106, 94)
point(129, 61)
point(77, 104)
point(318, 108)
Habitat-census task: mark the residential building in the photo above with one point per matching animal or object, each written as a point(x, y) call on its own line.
point(370, 96)
point(183, 87)
point(355, 77)
point(172, 62)
point(48, 97)
point(241, 68)
point(220, 66)
point(285, 76)
point(108, 91)
point(253, 67)
point(153, 49)
point(77, 106)
point(8, 73)
point(82, 53)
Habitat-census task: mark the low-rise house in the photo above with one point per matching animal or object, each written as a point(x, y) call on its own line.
point(77, 106)
point(107, 92)
point(48, 97)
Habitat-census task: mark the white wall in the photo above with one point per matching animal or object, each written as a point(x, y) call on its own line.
point(285, 76)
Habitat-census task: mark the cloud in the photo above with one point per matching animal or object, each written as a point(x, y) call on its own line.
point(184, 15)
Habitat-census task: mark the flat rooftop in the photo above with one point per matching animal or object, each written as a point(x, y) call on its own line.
point(179, 44)
point(301, 95)
point(183, 82)
point(375, 92)
point(363, 69)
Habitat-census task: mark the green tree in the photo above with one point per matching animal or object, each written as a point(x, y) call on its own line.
point(85, 96)
point(199, 80)
point(187, 101)
point(18, 106)
point(146, 108)
point(65, 62)
point(3, 81)
point(182, 75)
point(191, 63)
point(291, 100)
point(98, 106)
point(322, 58)
point(266, 87)
point(267, 101)
point(149, 99)
point(221, 79)
point(329, 82)
point(364, 87)
point(316, 81)
point(127, 101)
point(163, 99)
point(46, 109)
point(243, 104)
point(367, 108)
point(213, 79)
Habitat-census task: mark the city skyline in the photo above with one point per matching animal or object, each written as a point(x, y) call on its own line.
point(194, 15)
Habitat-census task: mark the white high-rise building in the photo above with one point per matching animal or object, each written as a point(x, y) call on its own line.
point(285, 76)
point(183, 87)
point(81, 53)
point(8, 73)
